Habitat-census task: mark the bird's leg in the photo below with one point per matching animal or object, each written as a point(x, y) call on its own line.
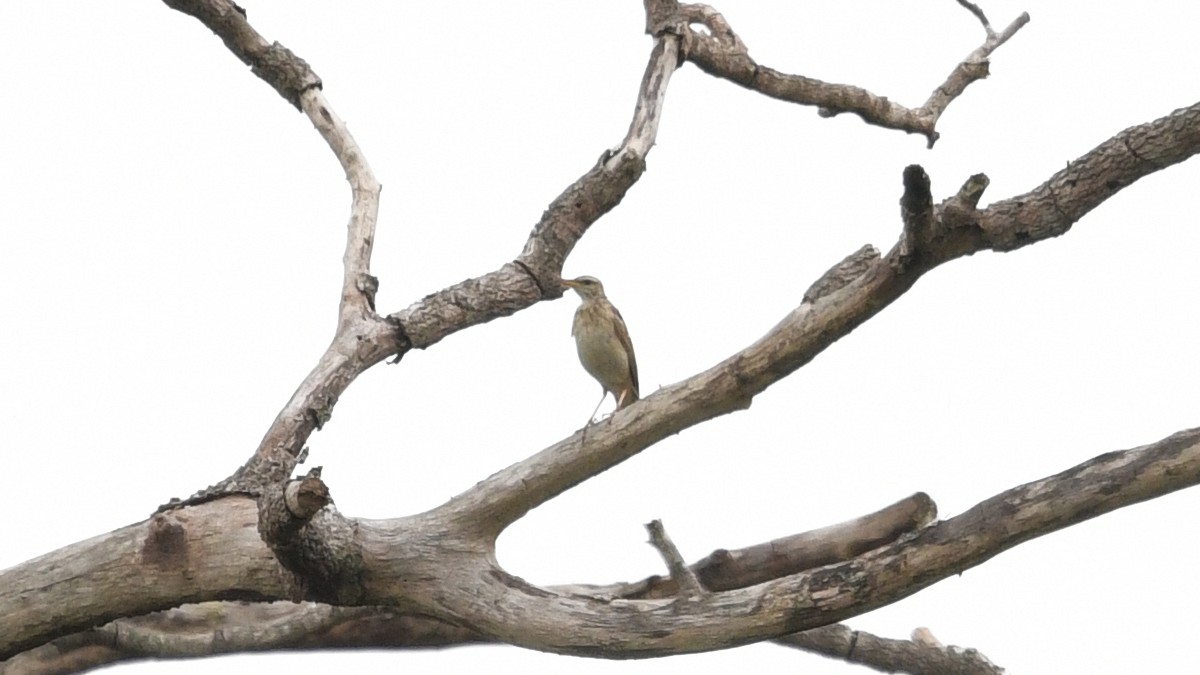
point(603, 393)
point(621, 399)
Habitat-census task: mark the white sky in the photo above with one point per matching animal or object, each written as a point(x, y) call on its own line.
point(171, 252)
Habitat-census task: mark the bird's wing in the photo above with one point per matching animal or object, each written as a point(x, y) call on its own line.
point(623, 335)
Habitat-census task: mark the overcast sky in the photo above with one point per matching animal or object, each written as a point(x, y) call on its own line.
point(170, 264)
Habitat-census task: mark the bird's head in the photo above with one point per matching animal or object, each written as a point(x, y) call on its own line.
point(587, 287)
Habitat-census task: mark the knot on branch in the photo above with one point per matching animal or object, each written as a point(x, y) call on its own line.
point(321, 411)
point(166, 543)
point(718, 28)
point(668, 17)
point(286, 508)
point(315, 543)
point(916, 211)
point(962, 210)
point(368, 285)
point(934, 234)
point(304, 497)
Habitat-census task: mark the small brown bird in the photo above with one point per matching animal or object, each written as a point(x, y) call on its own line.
point(603, 343)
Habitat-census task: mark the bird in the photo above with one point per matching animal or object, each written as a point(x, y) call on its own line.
point(603, 343)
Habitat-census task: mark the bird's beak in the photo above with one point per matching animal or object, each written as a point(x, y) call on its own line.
point(569, 283)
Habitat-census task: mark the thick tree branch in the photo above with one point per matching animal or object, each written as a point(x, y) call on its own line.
point(513, 611)
point(1050, 209)
point(421, 566)
point(210, 551)
point(212, 629)
point(216, 628)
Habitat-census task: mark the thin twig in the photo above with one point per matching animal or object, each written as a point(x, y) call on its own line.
point(683, 576)
point(975, 9)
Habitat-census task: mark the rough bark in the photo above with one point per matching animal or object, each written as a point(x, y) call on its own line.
point(216, 628)
point(427, 565)
point(432, 578)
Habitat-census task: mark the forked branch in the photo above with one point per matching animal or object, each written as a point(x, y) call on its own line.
point(421, 565)
point(512, 611)
point(441, 564)
point(722, 53)
point(848, 295)
point(363, 338)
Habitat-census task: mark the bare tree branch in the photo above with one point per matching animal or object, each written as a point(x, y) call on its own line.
point(974, 9)
point(722, 54)
point(535, 275)
point(209, 551)
point(890, 656)
point(288, 74)
point(316, 543)
point(426, 565)
point(1051, 208)
point(972, 68)
point(724, 570)
point(211, 629)
point(512, 611)
point(686, 583)
point(955, 228)
point(363, 338)
point(440, 566)
point(370, 339)
point(916, 212)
